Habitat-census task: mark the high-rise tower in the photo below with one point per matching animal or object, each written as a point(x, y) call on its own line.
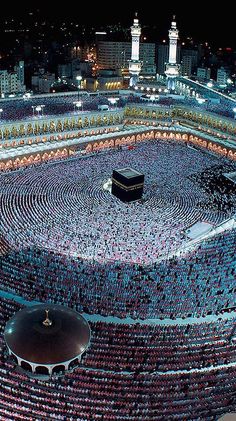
point(135, 63)
point(172, 68)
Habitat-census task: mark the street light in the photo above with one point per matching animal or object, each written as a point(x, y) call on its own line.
point(234, 110)
point(113, 101)
point(27, 95)
point(42, 108)
point(38, 108)
point(78, 104)
point(1, 111)
point(200, 100)
point(79, 79)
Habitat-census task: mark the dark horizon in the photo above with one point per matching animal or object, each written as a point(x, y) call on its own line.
point(202, 25)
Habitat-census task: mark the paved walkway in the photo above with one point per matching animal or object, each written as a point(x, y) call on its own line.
point(164, 373)
point(17, 298)
point(129, 320)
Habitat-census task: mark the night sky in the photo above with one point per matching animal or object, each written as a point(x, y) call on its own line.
point(214, 25)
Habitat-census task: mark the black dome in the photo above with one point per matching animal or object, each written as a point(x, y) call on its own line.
point(30, 339)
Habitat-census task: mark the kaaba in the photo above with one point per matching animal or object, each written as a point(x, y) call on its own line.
point(127, 184)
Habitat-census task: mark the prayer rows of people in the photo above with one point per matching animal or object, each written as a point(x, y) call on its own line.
point(110, 394)
point(20, 109)
point(74, 191)
point(221, 190)
point(72, 242)
point(142, 348)
point(147, 378)
point(67, 241)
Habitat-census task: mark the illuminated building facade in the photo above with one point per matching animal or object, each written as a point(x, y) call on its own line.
point(172, 68)
point(135, 63)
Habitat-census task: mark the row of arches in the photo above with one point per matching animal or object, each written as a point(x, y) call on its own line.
point(199, 117)
point(46, 369)
point(120, 141)
point(57, 137)
point(128, 140)
point(198, 141)
point(34, 159)
point(59, 125)
point(148, 113)
point(117, 142)
point(135, 138)
point(207, 119)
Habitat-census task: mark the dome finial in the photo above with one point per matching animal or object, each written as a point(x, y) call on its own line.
point(47, 322)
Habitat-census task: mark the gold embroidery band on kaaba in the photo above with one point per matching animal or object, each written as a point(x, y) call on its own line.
point(127, 188)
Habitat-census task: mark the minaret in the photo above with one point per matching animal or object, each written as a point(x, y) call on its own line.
point(135, 63)
point(172, 68)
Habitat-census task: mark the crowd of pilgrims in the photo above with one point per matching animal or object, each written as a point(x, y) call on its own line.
point(69, 241)
point(134, 372)
point(20, 108)
point(65, 240)
point(56, 104)
point(221, 190)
